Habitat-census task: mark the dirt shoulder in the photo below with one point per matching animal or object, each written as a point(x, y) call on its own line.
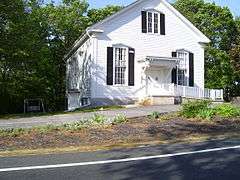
point(135, 132)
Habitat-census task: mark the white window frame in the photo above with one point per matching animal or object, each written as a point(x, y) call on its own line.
point(114, 66)
point(183, 66)
point(153, 21)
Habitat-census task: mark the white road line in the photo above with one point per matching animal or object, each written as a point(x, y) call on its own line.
point(116, 161)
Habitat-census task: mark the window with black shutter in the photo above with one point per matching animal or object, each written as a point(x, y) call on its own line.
point(162, 24)
point(174, 70)
point(185, 68)
point(153, 22)
point(174, 75)
point(131, 59)
point(191, 69)
point(144, 22)
point(109, 66)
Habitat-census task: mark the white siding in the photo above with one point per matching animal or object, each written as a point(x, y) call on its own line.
point(84, 57)
point(126, 29)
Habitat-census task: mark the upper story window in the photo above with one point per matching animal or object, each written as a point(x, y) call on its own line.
point(153, 22)
point(120, 66)
point(150, 24)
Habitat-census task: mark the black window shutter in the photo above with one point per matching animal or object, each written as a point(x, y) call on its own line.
point(191, 69)
point(174, 75)
point(144, 22)
point(174, 70)
point(131, 59)
point(162, 24)
point(174, 54)
point(109, 66)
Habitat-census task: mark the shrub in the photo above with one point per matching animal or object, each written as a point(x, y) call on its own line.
point(227, 110)
point(192, 108)
point(119, 119)
point(73, 126)
point(206, 113)
point(12, 132)
point(98, 119)
point(155, 115)
point(45, 129)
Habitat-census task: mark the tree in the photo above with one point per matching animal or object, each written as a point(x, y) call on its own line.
point(96, 15)
point(34, 39)
point(235, 60)
point(218, 24)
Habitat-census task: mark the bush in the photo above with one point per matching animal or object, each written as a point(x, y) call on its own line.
point(73, 126)
point(98, 119)
point(206, 113)
point(155, 115)
point(119, 119)
point(191, 109)
point(227, 110)
point(12, 132)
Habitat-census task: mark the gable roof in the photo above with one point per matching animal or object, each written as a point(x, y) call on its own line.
point(93, 28)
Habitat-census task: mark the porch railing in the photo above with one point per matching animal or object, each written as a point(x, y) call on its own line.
point(185, 91)
point(195, 92)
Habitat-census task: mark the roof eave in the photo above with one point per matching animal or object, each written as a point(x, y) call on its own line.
point(81, 40)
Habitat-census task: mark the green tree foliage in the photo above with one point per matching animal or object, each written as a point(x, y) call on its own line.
point(34, 39)
point(219, 25)
point(235, 60)
point(96, 15)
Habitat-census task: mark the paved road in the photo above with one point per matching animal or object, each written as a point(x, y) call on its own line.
point(73, 117)
point(192, 164)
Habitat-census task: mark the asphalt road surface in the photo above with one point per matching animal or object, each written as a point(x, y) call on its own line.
point(213, 160)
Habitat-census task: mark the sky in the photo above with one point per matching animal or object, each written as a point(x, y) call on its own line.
point(234, 5)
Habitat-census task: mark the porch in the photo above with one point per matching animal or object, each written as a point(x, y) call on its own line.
point(159, 87)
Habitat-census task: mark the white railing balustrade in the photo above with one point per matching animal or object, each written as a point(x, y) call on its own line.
point(184, 91)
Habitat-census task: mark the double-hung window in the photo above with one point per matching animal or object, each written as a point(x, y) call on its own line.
point(183, 68)
point(153, 22)
point(120, 66)
point(150, 23)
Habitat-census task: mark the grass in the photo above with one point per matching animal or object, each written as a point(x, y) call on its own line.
point(82, 110)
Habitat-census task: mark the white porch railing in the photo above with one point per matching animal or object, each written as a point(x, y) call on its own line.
point(195, 92)
point(184, 91)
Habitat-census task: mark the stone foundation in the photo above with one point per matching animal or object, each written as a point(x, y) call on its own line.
point(109, 102)
point(160, 100)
